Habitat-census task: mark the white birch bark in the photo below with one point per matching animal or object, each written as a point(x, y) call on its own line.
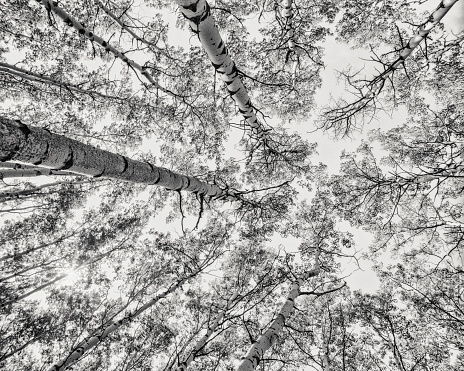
point(377, 83)
point(287, 12)
point(209, 331)
point(198, 14)
point(268, 338)
point(70, 21)
point(97, 336)
point(27, 173)
point(37, 146)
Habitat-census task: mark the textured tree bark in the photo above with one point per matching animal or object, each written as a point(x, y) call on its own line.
point(210, 330)
point(267, 339)
point(26, 173)
point(37, 146)
point(198, 14)
point(102, 333)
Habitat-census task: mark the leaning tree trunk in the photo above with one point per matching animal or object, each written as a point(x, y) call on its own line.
point(97, 336)
point(43, 79)
point(37, 146)
point(376, 84)
point(52, 6)
point(268, 338)
point(209, 331)
point(202, 23)
point(344, 114)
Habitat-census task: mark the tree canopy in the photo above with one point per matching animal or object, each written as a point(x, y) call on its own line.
point(193, 185)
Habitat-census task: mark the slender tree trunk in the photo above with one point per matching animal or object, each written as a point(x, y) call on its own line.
point(52, 6)
point(26, 173)
point(97, 336)
point(199, 16)
point(36, 77)
point(37, 289)
point(125, 28)
point(28, 251)
point(289, 31)
point(342, 118)
point(268, 338)
point(210, 330)
point(25, 192)
point(377, 83)
point(64, 275)
point(29, 144)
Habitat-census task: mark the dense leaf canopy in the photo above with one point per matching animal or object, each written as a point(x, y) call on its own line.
point(185, 186)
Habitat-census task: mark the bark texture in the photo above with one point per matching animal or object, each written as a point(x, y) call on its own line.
point(202, 23)
point(268, 338)
point(37, 146)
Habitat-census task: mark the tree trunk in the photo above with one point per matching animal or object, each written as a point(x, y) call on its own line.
point(202, 23)
point(37, 77)
point(377, 83)
point(103, 332)
point(52, 6)
point(19, 142)
point(269, 337)
point(289, 31)
point(210, 330)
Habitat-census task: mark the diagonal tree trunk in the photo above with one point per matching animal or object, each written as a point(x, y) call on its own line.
point(38, 77)
point(52, 6)
point(97, 336)
point(267, 339)
point(19, 142)
point(344, 115)
point(199, 16)
point(209, 331)
point(26, 173)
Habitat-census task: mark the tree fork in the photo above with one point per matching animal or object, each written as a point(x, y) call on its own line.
point(37, 146)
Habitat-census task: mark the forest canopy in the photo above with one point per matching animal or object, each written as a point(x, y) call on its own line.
point(231, 185)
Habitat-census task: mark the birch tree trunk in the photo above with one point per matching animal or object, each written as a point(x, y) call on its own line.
point(377, 83)
point(37, 146)
point(209, 331)
point(199, 16)
point(268, 338)
point(97, 336)
point(40, 78)
point(345, 113)
point(70, 21)
point(289, 31)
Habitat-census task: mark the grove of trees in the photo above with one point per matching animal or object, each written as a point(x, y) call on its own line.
point(163, 204)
